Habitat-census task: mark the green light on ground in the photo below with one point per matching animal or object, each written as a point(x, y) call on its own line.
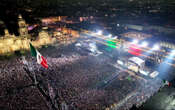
point(129, 78)
point(113, 46)
point(111, 43)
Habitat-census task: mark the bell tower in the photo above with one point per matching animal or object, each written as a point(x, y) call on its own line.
point(6, 32)
point(23, 31)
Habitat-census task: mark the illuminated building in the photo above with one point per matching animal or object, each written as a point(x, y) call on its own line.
point(23, 31)
point(6, 33)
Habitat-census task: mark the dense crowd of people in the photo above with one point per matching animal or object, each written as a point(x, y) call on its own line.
point(75, 79)
point(16, 90)
point(144, 91)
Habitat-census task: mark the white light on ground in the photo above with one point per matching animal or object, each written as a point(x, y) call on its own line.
point(156, 47)
point(118, 25)
point(144, 44)
point(99, 32)
point(154, 74)
point(115, 37)
point(77, 44)
point(143, 72)
point(135, 41)
point(120, 62)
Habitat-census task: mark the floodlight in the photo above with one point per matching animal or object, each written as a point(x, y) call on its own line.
point(110, 35)
point(173, 51)
point(144, 44)
point(135, 41)
point(156, 47)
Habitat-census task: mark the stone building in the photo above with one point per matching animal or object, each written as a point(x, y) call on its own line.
point(11, 43)
point(6, 33)
point(23, 31)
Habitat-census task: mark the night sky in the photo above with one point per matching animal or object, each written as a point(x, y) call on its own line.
point(151, 11)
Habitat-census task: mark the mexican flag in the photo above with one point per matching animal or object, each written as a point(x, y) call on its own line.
point(167, 83)
point(40, 59)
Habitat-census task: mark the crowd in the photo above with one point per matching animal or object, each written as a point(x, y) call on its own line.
point(16, 92)
point(143, 92)
point(74, 79)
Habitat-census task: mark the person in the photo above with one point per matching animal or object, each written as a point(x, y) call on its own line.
point(24, 61)
point(64, 106)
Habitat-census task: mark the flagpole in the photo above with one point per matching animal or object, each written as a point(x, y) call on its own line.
point(47, 98)
point(33, 77)
point(30, 68)
point(35, 80)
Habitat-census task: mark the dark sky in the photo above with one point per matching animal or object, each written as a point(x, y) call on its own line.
point(149, 10)
point(70, 7)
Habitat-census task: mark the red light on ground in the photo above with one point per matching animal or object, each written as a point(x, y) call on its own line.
point(134, 53)
point(134, 50)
